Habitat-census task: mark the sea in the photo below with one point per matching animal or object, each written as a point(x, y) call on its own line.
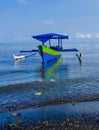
point(28, 83)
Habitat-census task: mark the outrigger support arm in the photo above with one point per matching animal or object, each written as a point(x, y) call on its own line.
point(69, 50)
point(29, 50)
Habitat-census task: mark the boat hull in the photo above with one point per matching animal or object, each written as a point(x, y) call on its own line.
point(48, 54)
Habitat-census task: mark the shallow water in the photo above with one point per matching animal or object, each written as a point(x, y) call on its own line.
point(27, 84)
point(31, 68)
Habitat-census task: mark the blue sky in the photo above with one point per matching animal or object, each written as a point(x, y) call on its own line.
point(19, 19)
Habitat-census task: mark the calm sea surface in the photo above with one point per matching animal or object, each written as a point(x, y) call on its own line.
point(21, 81)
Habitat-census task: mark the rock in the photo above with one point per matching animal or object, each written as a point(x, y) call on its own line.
point(16, 114)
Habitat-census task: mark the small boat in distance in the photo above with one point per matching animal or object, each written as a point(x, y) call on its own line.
point(50, 52)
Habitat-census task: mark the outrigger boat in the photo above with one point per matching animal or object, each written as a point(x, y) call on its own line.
point(49, 53)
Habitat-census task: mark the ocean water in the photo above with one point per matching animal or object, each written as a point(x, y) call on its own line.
point(27, 82)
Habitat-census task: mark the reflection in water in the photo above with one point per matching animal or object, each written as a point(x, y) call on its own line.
point(51, 70)
point(16, 63)
point(52, 64)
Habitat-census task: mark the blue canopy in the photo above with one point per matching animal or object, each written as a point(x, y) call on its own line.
point(45, 37)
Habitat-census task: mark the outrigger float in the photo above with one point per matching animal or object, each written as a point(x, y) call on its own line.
point(49, 53)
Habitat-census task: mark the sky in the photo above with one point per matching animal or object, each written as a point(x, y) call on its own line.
point(20, 19)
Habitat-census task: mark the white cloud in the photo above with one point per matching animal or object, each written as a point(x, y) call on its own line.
point(22, 1)
point(48, 22)
point(96, 35)
point(83, 36)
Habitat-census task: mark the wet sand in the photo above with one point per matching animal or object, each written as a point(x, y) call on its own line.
point(6, 107)
point(65, 116)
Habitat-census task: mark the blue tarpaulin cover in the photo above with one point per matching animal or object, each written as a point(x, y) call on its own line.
point(45, 37)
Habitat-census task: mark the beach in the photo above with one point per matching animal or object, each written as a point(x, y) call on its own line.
point(53, 115)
